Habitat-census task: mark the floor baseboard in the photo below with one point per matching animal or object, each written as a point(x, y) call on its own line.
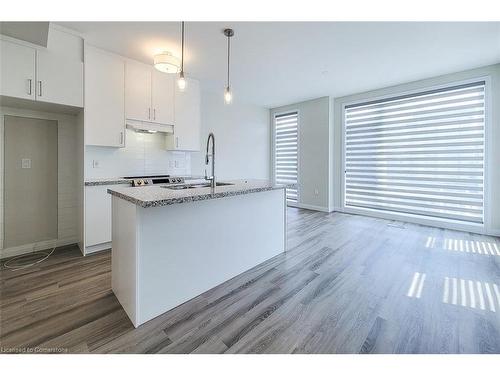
point(309, 207)
point(34, 247)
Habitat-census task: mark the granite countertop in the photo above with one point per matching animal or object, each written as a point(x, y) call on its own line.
point(155, 196)
point(107, 181)
point(123, 181)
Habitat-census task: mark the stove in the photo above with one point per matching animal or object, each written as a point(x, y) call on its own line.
point(138, 181)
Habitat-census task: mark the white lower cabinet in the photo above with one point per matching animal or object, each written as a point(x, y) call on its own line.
point(97, 218)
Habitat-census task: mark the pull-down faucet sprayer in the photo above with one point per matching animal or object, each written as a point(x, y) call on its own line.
point(207, 159)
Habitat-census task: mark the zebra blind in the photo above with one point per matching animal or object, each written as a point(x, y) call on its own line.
point(420, 154)
point(286, 152)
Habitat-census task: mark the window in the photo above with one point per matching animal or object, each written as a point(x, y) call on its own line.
point(286, 152)
point(420, 154)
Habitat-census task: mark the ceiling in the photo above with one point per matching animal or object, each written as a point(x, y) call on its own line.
point(32, 32)
point(277, 63)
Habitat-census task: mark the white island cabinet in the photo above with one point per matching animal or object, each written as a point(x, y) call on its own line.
point(172, 245)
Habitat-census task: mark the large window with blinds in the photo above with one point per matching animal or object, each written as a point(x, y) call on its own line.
point(420, 154)
point(286, 152)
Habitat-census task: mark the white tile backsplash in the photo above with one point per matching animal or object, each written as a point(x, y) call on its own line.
point(143, 154)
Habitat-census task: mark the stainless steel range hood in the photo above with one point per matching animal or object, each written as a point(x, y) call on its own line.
point(149, 127)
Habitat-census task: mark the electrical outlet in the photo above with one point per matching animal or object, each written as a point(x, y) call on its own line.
point(95, 163)
point(26, 163)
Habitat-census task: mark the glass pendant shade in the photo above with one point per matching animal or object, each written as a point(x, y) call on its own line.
point(181, 82)
point(228, 95)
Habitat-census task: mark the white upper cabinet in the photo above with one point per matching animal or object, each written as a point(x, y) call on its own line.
point(187, 125)
point(104, 98)
point(149, 94)
point(17, 70)
point(40, 74)
point(59, 80)
point(162, 98)
point(138, 91)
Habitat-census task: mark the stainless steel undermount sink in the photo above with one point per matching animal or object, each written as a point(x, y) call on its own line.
point(177, 187)
point(216, 184)
point(194, 186)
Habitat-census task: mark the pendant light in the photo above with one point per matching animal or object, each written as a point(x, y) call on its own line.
point(228, 95)
point(181, 82)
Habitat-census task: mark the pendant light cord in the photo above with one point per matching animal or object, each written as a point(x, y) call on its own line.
point(182, 46)
point(228, 54)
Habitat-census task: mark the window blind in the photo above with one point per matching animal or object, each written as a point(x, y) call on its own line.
point(420, 154)
point(286, 152)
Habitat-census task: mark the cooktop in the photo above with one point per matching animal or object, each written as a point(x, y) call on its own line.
point(155, 176)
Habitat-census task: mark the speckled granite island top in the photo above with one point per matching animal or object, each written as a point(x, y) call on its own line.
point(155, 196)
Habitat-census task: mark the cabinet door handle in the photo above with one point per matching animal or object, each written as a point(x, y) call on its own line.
point(39, 88)
point(149, 113)
point(29, 86)
point(121, 138)
point(176, 142)
point(154, 113)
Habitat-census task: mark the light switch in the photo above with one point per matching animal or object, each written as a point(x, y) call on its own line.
point(26, 163)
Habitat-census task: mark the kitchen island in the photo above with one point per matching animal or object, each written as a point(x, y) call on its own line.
point(172, 244)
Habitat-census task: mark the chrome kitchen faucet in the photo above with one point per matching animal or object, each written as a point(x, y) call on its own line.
point(207, 158)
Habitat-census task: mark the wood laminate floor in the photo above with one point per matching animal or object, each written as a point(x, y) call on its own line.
point(348, 284)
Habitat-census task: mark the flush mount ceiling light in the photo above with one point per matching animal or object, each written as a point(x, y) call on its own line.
point(166, 62)
point(181, 82)
point(228, 95)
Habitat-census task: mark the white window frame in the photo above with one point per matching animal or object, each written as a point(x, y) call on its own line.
point(485, 227)
point(273, 151)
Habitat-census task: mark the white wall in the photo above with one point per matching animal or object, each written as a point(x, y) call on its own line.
point(314, 153)
point(242, 138)
point(144, 154)
point(493, 161)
